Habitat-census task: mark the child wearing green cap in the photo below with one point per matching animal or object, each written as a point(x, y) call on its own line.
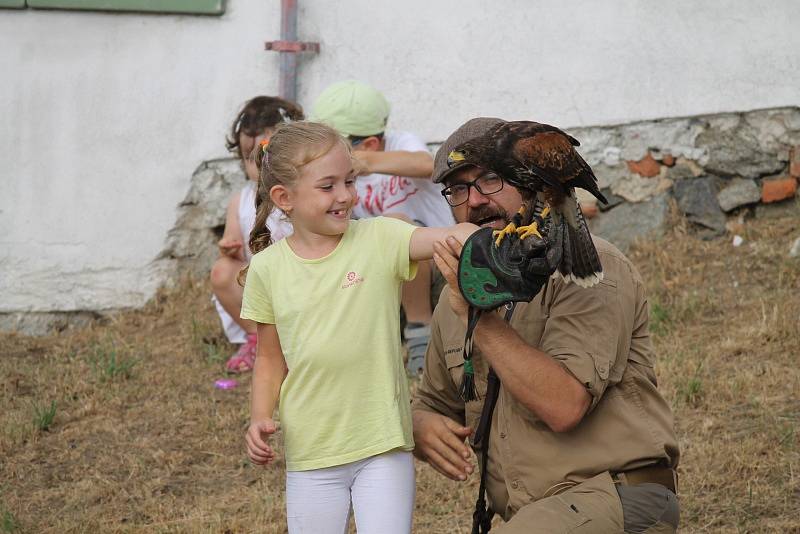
point(394, 180)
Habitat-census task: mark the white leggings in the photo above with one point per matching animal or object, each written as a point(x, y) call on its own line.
point(381, 488)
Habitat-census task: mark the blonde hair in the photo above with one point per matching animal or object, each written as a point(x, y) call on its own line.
point(292, 146)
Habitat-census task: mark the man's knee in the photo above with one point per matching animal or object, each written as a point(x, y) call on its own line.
point(599, 505)
point(590, 507)
point(649, 509)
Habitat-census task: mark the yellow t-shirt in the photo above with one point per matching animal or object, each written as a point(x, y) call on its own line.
point(345, 397)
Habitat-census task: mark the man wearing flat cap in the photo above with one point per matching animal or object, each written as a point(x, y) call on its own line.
point(580, 439)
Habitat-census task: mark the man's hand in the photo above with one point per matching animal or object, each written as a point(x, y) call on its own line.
point(258, 450)
point(440, 441)
point(446, 257)
point(231, 248)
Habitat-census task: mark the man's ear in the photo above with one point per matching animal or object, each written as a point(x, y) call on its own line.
point(281, 196)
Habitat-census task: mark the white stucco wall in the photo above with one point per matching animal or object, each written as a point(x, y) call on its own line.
point(105, 116)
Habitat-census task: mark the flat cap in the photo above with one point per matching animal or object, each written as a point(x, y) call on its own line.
point(469, 130)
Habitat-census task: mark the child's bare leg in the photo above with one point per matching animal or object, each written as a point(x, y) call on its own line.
point(228, 291)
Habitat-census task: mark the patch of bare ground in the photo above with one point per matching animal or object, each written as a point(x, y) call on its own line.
point(118, 428)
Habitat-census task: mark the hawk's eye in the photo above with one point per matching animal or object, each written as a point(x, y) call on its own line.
point(455, 157)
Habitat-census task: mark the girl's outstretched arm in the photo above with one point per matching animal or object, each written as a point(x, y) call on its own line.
point(422, 240)
point(269, 372)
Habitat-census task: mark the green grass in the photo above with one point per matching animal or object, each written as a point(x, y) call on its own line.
point(8, 522)
point(691, 391)
point(207, 340)
point(198, 331)
point(112, 361)
point(215, 353)
point(788, 439)
point(43, 416)
point(659, 319)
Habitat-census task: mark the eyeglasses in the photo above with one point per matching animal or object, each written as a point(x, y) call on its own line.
point(486, 184)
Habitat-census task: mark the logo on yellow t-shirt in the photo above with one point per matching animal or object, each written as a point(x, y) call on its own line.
point(352, 278)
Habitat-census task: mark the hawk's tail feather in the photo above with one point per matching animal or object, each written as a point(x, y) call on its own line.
point(580, 262)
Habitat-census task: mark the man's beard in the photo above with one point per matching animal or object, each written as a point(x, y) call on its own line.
point(487, 215)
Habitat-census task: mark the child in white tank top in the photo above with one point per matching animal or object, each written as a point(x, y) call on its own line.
point(254, 123)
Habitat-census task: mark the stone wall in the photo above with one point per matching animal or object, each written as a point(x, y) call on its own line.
point(191, 243)
point(713, 166)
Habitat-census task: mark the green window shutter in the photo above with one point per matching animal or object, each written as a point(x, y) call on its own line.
point(12, 3)
point(197, 7)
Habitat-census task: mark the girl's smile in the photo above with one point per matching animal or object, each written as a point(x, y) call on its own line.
point(340, 213)
point(321, 200)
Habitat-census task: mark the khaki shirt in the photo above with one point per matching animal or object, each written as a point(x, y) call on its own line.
point(600, 335)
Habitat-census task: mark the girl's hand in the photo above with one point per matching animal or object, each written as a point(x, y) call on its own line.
point(230, 247)
point(258, 450)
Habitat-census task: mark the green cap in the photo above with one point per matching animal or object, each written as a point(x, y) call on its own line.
point(353, 108)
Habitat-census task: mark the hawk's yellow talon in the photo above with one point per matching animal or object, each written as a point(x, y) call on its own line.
point(533, 228)
point(500, 234)
point(527, 231)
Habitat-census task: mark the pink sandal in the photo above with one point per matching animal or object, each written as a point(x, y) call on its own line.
point(245, 357)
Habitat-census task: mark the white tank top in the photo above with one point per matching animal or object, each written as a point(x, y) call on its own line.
point(276, 222)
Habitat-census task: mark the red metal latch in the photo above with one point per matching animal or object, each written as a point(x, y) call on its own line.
point(291, 46)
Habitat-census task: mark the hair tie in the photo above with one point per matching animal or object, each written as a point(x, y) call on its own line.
point(262, 147)
point(285, 116)
point(238, 126)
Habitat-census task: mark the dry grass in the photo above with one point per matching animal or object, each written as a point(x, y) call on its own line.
point(117, 428)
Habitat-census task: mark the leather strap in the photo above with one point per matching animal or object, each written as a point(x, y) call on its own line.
point(482, 516)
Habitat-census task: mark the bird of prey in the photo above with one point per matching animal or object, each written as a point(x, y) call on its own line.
point(541, 162)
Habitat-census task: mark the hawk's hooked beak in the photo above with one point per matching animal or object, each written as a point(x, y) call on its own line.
point(455, 157)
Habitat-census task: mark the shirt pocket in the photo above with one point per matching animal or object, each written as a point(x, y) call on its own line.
point(454, 360)
point(472, 409)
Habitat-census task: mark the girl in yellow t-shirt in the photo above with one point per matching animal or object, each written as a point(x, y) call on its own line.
point(326, 302)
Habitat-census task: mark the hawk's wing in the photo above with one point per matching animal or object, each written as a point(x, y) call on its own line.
point(547, 153)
